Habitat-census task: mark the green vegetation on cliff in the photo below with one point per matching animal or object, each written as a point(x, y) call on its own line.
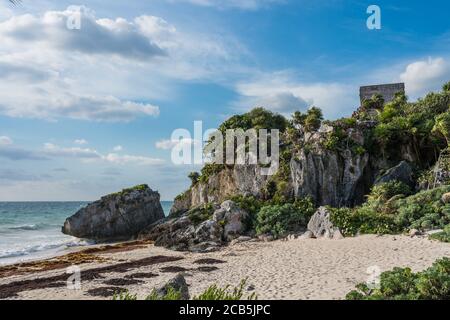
point(393, 212)
point(384, 133)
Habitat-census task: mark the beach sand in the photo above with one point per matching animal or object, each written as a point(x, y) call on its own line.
point(295, 269)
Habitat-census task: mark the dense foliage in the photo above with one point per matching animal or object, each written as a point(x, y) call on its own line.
point(277, 220)
point(443, 236)
point(201, 214)
point(403, 284)
point(389, 211)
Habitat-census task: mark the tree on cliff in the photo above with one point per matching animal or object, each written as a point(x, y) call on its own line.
point(442, 126)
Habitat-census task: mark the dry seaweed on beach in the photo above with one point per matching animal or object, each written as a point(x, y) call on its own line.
point(105, 291)
point(207, 269)
point(81, 257)
point(10, 290)
point(122, 282)
point(209, 261)
point(173, 269)
point(141, 275)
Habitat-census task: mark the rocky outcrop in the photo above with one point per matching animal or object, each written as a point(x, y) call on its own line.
point(402, 172)
point(181, 233)
point(119, 216)
point(239, 180)
point(232, 218)
point(320, 225)
point(331, 177)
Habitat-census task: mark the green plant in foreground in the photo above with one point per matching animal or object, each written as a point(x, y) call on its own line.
point(124, 296)
point(403, 284)
point(171, 294)
point(216, 293)
point(212, 293)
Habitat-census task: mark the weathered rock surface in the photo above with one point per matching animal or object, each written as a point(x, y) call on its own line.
point(178, 284)
point(119, 216)
point(180, 233)
point(321, 226)
point(239, 180)
point(329, 177)
point(233, 218)
point(402, 172)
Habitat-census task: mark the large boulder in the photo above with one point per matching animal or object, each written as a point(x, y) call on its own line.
point(233, 218)
point(181, 233)
point(321, 226)
point(118, 216)
point(177, 284)
point(402, 172)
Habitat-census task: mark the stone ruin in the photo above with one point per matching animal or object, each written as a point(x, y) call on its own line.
point(388, 91)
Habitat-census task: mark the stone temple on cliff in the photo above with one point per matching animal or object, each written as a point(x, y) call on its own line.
point(388, 91)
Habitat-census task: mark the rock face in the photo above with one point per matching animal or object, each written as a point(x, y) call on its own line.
point(321, 226)
point(403, 172)
point(233, 219)
point(225, 224)
point(240, 180)
point(330, 178)
point(119, 216)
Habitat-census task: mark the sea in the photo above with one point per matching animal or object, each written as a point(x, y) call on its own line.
point(32, 230)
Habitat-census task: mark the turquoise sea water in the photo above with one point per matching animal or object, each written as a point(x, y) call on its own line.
point(31, 230)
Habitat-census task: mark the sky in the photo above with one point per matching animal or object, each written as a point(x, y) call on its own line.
point(91, 91)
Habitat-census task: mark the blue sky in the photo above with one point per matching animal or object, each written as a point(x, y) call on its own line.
point(90, 111)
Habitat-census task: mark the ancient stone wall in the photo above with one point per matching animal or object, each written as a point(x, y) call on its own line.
point(388, 91)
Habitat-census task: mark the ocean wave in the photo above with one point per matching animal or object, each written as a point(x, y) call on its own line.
point(28, 227)
point(12, 253)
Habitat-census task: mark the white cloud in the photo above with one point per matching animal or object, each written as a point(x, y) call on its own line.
point(91, 155)
point(96, 36)
point(130, 159)
point(281, 92)
point(118, 148)
point(109, 70)
point(75, 152)
point(423, 76)
point(5, 141)
point(170, 144)
point(80, 141)
point(240, 4)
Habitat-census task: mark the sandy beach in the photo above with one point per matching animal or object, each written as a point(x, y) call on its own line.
point(295, 269)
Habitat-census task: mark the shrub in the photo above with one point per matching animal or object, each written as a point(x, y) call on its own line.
point(313, 119)
point(194, 176)
point(443, 236)
point(424, 210)
point(363, 220)
point(403, 284)
point(201, 214)
point(279, 219)
point(171, 295)
point(124, 296)
point(216, 293)
point(385, 191)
